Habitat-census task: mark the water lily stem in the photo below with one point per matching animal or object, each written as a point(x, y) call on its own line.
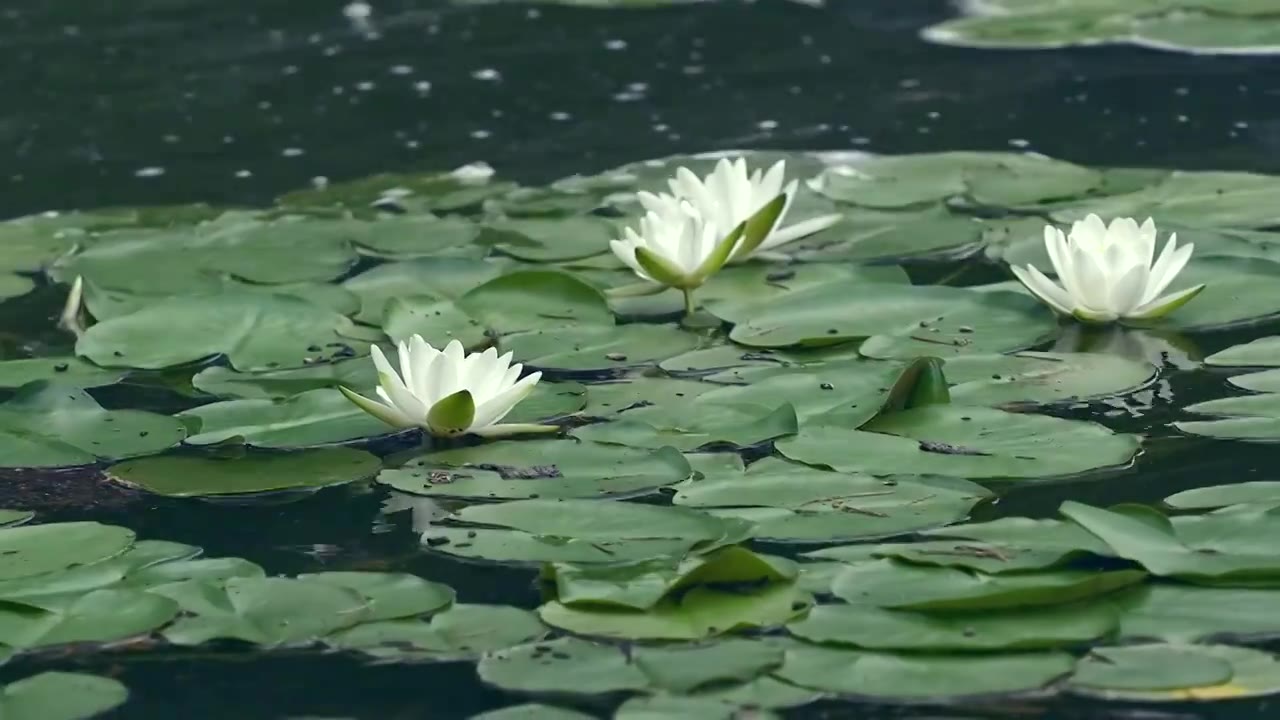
point(689, 307)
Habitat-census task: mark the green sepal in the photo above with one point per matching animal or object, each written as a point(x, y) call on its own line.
point(452, 415)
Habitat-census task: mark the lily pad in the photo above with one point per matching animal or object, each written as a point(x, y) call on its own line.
point(390, 595)
point(692, 425)
point(587, 348)
point(1216, 496)
point(892, 676)
point(64, 371)
point(703, 611)
point(959, 441)
point(873, 628)
point(538, 469)
point(61, 696)
point(254, 331)
point(1249, 417)
point(1188, 613)
point(463, 631)
point(314, 417)
point(1253, 673)
point(52, 425)
point(1149, 668)
point(1263, 352)
point(564, 665)
point(189, 259)
point(995, 322)
point(357, 373)
point(33, 550)
point(265, 611)
point(183, 476)
point(102, 615)
point(419, 235)
point(437, 278)
point(890, 584)
point(1031, 377)
point(550, 239)
point(800, 503)
point(532, 711)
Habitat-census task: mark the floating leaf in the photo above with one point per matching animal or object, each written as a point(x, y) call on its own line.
point(102, 615)
point(314, 417)
point(1216, 496)
point(873, 628)
point(598, 348)
point(1149, 668)
point(390, 595)
point(53, 425)
point(60, 696)
point(182, 476)
point(254, 331)
point(64, 371)
point(33, 550)
point(920, 676)
point(266, 611)
point(461, 632)
point(538, 469)
point(1043, 377)
point(1253, 673)
point(564, 665)
point(890, 584)
point(1187, 613)
point(959, 441)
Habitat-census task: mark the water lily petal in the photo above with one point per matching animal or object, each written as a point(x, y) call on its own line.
point(1094, 292)
point(386, 413)
point(1126, 291)
point(1061, 256)
point(393, 388)
point(1165, 305)
point(802, 229)
point(1043, 288)
point(498, 431)
point(497, 407)
point(1171, 262)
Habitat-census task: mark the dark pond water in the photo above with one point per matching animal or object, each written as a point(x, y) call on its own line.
point(165, 101)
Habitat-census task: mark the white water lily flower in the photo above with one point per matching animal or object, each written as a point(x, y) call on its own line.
point(1106, 272)
point(675, 236)
point(448, 392)
point(730, 195)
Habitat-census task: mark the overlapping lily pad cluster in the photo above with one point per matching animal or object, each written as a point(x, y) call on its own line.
point(1245, 27)
point(887, 380)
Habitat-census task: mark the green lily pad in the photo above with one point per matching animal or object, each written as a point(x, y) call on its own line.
point(420, 235)
point(1249, 417)
point(920, 676)
point(190, 259)
point(315, 417)
point(1216, 496)
point(265, 611)
point(703, 611)
point(123, 568)
point(514, 546)
point(1263, 352)
point(599, 521)
point(33, 550)
point(535, 299)
point(993, 323)
point(873, 628)
point(641, 585)
point(254, 331)
point(674, 707)
point(65, 371)
point(462, 631)
point(53, 425)
point(390, 595)
point(1031, 377)
point(356, 373)
point(565, 665)
point(959, 441)
point(890, 584)
point(1149, 668)
point(532, 711)
point(791, 502)
point(538, 469)
point(685, 669)
point(11, 518)
point(1253, 673)
point(61, 696)
point(102, 615)
point(212, 570)
point(438, 278)
point(692, 425)
point(763, 692)
point(589, 348)
point(550, 239)
point(1190, 613)
point(431, 191)
point(1236, 293)
point(1219, 548)
point(440, 320)
point(837, 312)
point(181, 476)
